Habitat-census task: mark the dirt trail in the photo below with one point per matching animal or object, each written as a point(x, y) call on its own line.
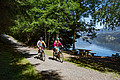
point(54, 70)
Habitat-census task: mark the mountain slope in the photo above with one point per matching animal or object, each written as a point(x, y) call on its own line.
point(107, 37)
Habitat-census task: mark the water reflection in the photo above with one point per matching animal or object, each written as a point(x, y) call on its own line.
point(100, 48)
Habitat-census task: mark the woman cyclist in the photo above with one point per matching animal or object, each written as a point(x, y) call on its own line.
point(56, 45)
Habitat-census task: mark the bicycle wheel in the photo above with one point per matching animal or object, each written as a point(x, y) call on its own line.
point(39, 55)
point(61, 58)
point(43, 56)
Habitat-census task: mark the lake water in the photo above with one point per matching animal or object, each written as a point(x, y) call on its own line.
point(101, 49)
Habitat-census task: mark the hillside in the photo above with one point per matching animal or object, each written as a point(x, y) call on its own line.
point(109, 36)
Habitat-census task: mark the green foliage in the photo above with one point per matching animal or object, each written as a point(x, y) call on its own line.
point(47, 18)
point(100, 64)
point(108, 13)
point(34, 18)
point(14, 66)
point(7, 11)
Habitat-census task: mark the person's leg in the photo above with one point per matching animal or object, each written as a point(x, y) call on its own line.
point(55, 49)
point(58, 51)
point(38, 50)
point(42, 49)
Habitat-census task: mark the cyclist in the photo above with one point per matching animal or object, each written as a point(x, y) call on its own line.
point(56, 45)
point(40, 45)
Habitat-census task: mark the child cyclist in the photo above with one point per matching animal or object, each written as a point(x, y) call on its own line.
point(40, 45)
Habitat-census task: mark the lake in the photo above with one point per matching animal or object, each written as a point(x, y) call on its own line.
point(101, 49)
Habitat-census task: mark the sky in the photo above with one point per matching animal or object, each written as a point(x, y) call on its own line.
point(97, 25)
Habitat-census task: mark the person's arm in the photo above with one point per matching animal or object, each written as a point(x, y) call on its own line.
point(60, 43)
point(44, 43)
point(37, 44)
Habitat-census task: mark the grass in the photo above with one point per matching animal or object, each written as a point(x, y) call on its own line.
point(13, 66)
point(48, 53)
point(105, 65)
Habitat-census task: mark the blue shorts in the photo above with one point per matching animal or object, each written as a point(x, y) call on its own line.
point(57, 48)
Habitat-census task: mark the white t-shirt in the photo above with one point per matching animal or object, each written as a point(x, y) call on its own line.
point(40, 43)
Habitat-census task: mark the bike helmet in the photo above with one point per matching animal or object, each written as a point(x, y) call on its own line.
point(41, 38)
point(57, 38)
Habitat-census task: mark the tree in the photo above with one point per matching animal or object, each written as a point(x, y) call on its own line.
point(50, 17)
point(108, 14)
point(8, 10)
point(79, 9)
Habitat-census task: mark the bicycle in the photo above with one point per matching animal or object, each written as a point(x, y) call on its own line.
point(58, 55)
point(41, 55)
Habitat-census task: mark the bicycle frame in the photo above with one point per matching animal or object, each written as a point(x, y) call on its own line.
point(58, 55)
point(42, 54)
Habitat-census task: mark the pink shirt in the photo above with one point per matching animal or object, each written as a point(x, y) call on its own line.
point(57, 44)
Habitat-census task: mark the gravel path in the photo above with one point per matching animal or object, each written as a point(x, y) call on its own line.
point(54, 70)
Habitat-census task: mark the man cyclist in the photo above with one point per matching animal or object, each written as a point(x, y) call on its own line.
point(40, 45)
point(56, 45)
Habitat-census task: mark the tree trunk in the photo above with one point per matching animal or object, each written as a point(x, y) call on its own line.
point(45, 34)
point(74, 38)
point(49, 40)
point(75, 26)
point(28, 37)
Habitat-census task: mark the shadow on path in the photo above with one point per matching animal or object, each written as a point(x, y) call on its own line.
point(15, 44)
point(26, 53)
point(12, 67)
point(50, 75)
point(55, 59)
point(10, 40)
